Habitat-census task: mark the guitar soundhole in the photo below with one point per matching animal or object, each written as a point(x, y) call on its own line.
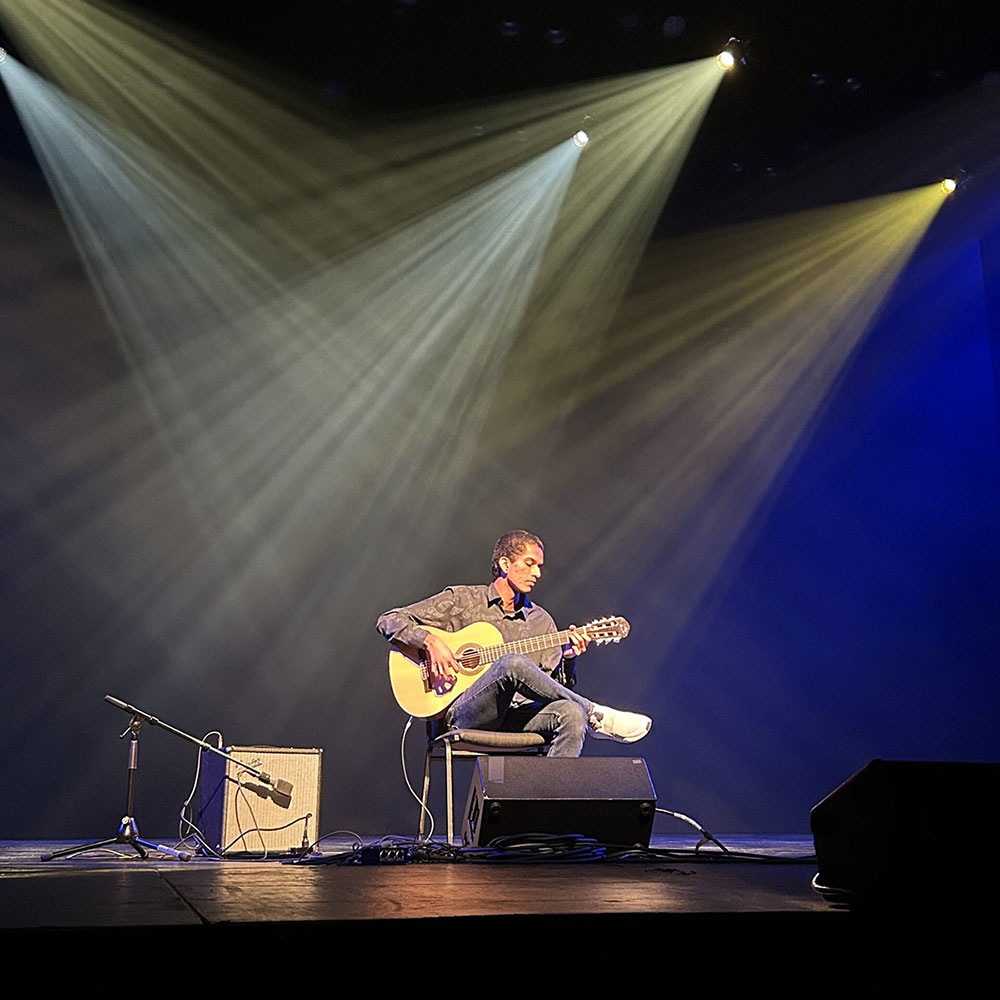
point(469, 658)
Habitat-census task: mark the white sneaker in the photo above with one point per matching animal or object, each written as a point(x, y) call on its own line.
point(614, 724)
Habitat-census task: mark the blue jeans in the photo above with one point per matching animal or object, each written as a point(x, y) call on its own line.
point(554, 711)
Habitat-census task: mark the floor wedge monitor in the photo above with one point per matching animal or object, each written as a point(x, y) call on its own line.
point(888, 832)
point(609, 799)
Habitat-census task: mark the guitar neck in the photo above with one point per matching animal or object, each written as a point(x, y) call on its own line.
point(533, 644)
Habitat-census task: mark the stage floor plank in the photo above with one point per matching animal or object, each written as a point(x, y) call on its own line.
point(101, 889)
point(415, 891)
point(739, 925)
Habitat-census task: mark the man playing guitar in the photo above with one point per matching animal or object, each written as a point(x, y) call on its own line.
point(522, 691)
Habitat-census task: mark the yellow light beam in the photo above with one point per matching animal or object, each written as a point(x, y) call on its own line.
point(721, 360)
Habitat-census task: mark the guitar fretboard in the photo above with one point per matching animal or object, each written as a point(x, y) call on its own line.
point(533, 644)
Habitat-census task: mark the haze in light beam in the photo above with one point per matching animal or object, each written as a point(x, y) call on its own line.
point(722, 357)
point(324, 321)
point(294, 420)
point(315, 183)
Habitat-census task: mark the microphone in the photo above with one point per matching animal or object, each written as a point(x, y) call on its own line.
point(280, 785)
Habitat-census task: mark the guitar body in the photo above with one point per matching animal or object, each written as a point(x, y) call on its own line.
point(476, 647)
point(410, 680)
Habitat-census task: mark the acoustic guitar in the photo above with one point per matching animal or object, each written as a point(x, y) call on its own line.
point(476, 647)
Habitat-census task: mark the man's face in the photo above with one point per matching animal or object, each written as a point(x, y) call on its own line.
point(525, 569)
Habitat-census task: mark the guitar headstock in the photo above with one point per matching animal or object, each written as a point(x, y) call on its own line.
point(602, 630)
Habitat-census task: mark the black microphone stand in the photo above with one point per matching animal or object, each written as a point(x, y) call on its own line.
point(128, 831)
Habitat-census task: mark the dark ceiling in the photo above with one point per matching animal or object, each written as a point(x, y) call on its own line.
point(815, 74)
point(811, 69)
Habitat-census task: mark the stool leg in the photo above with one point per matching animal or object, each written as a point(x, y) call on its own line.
point(451, 801)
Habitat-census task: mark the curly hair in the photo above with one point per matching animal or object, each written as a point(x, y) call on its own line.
point(511, 545)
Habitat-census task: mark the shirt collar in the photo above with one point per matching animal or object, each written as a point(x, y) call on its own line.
point(493, 597)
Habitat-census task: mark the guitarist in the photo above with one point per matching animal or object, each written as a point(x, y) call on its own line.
point(518, 693)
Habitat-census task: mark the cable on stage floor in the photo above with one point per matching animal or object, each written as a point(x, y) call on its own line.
point(533, 848)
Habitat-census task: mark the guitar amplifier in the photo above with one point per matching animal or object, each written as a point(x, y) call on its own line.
point(238, 814)
point(609, 799)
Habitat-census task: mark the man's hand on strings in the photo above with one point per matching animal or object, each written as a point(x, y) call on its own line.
point(441, 664)
point(577, 644)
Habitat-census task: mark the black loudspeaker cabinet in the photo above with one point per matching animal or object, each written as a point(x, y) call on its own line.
point(610, 799)
point(906, 830)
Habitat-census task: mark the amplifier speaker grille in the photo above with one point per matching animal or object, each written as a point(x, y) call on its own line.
point(240, 815)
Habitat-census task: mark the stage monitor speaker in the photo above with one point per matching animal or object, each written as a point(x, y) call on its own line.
point(893, 831)
point(610, 799)
point(238, 814)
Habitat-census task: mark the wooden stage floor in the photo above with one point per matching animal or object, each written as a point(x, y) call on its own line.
point(735, 919)
point(114, 888)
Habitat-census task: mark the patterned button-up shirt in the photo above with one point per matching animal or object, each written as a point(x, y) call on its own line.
point(456, 607)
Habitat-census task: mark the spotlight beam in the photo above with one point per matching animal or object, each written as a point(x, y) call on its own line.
point(351, 399)
point(725, 352)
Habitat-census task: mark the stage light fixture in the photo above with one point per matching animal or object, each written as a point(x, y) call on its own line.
point(733, 53)
point(581, 139)
point(3, 55)
point(956, 180)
